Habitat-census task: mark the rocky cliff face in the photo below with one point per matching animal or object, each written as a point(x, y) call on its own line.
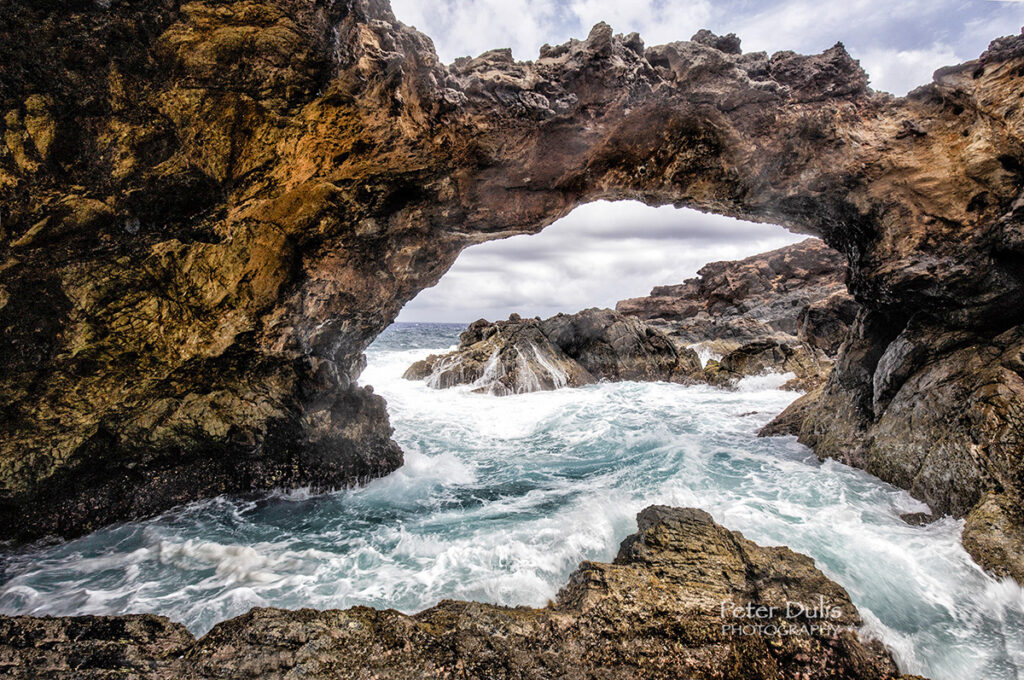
point(210, 209)
point(685, 598)
point(787, 310)
point(790, 295)
point(567, 350)
point(571, 350)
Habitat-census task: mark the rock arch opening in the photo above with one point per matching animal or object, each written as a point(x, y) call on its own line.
point(212, 345)
point(599, 254)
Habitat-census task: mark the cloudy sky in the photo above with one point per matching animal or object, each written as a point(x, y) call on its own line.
point(608, 251)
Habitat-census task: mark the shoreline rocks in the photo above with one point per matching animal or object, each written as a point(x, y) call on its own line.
point(684, 598)
point(784, 311)
point(566, 350)
point(211, 210)
point(792, 294)
point(937, 413)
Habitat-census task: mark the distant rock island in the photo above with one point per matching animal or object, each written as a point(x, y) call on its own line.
point(785, 311)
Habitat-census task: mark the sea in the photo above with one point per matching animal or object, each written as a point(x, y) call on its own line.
point(501, 497)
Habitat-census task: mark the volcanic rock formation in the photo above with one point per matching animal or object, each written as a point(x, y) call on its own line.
point(790, 295)
point(685, 598)
point(783, 311)
point(210, 209)
point(567, 350)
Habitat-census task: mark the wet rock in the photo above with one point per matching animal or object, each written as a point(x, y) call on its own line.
point(684, 598)
point(791, 420)
point(509, 357)
point(299, 171)
point(918, 519)
point(567, 350)
point(809, 364)
point(994, 536)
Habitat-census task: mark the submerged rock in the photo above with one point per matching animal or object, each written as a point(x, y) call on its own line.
point(684, 598)
point(568, 350)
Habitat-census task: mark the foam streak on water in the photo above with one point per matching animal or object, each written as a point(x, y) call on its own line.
point(501, 498)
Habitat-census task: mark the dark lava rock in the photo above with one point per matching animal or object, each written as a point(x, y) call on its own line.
point(567, 350)
point(787, 310)
point(790, 295)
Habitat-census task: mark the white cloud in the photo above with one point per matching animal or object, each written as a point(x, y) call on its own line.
point(657, 22)
point(900, 71)
point(470, 27)
point(599, 254)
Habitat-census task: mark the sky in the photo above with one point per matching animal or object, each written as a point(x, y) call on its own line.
point(606, 252)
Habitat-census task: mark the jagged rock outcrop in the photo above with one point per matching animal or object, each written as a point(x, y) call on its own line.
point(685, 598)
point(792, 294)
point(567, 350)
point(572, 350)
point(210, 209)
point(787, 310)
point(994, 536)
point(809, 365)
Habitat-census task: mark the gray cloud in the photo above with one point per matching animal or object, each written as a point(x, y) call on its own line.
point(597, 255)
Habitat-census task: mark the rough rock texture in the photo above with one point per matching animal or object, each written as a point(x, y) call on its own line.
point(136, 646)
point(942, 416)
point(789, 295)
point(567, 350)
point(789, 422)
point(994, 537)
point(656, 612)
point(787, 310)
point(810, 365)
point(210, 209)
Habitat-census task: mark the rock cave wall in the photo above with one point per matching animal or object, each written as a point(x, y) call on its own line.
point(210, 210)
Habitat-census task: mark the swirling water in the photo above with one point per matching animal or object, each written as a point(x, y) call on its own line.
point(501, 497)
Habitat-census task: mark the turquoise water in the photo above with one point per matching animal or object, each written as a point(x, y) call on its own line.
point(501, 498)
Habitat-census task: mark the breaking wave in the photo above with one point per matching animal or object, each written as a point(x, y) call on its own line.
point(501, 498)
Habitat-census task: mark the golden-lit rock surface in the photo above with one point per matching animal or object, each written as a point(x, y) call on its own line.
point(209, 209)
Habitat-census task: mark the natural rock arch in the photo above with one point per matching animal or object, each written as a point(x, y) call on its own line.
point(212, 209)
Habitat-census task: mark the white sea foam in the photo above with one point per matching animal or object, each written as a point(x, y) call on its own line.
point(501, 498)
point(705, 354)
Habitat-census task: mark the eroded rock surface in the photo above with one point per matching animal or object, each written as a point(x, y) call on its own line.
point(789, 295)
point(994, 537)
point(665, 608)
point(785, 311)
point(210, 209)
point(568, 350)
